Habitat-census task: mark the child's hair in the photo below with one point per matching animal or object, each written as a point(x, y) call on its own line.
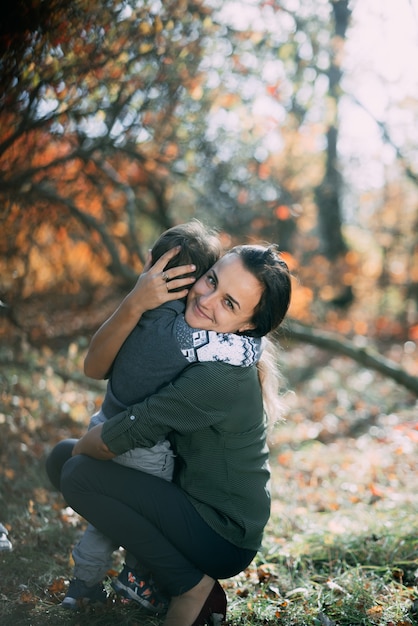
point(199, 246)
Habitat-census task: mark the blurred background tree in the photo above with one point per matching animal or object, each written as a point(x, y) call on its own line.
point(119, 119)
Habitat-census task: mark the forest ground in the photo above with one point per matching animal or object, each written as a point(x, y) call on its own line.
point(341, 547)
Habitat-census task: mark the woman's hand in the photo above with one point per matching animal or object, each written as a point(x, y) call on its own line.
point(151, 290)
point(154, 286)
point(92, 444)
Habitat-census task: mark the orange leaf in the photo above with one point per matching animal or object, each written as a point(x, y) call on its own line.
point(26, 597)
point(263, 171)
point(413, 332)
point(282, 212)
point(284, 458)
point(57, 586)
point(374, 610)
point(375, 491)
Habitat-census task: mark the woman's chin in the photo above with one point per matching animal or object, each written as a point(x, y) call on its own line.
point(196, 321)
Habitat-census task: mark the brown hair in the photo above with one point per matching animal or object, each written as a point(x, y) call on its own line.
point(266, 264)
point(199, 246)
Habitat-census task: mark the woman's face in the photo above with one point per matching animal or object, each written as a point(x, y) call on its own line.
point(224, 299)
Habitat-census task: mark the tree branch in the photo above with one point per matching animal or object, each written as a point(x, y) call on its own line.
point(364, 356)
point(116, 267)
point(387, 138)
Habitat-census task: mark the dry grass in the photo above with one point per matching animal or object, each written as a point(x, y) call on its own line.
point(341, 546)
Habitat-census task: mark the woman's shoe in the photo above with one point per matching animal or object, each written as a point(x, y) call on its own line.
point(214, 609)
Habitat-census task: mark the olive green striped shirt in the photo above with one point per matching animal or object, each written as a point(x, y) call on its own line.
point(213, 415)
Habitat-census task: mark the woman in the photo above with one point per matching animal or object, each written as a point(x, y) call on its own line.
point(140, 353)
point(208, 523)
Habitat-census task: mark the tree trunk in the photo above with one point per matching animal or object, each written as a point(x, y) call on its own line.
point(328, 192)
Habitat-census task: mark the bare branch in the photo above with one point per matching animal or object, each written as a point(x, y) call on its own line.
point(364, 356)
point(116, 267)
point(387, 138)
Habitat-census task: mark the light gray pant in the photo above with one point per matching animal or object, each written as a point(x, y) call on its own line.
point(92, 555)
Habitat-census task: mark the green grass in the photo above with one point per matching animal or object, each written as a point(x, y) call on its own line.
point(340, 548)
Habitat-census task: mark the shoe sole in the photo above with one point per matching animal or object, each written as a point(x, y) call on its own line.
point(129, 594)
point(77, 605)
point(70, 606)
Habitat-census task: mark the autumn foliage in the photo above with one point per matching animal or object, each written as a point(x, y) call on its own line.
point(119, 119)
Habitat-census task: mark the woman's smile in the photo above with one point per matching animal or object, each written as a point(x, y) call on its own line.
point(199, 312)
point(224, 299)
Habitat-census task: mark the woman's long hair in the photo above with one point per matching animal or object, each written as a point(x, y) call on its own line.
point(267, 265)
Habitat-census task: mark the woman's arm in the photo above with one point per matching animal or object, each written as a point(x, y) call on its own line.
point(149, 292)
point(198, 398)
point(201, 397)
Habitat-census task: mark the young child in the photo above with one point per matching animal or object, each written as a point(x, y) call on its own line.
point(159, 347)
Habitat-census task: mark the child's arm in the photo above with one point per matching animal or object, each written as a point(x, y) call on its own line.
point(149, 292)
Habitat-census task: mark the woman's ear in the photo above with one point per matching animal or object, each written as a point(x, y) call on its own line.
point(245, 327)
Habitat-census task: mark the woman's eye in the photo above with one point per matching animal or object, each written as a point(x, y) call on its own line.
point(210, 280)
point(229, 304)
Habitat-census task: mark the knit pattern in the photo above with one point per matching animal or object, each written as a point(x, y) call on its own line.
point(203, 345)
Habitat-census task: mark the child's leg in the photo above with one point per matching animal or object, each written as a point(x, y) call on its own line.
point(158, 460)
point(93, 556)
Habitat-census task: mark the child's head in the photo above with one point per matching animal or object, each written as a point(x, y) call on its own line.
point(198, 246)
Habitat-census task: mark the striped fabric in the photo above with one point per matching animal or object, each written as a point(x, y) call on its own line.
point(213, 415)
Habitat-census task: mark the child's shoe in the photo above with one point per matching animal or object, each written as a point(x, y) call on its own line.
point(79, 594)
point(131, 585)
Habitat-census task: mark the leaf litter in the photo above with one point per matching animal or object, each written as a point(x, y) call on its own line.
point(340, 547)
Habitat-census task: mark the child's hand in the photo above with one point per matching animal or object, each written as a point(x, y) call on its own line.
point(92, 444)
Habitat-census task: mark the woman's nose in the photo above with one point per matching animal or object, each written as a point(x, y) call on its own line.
point(207, 298)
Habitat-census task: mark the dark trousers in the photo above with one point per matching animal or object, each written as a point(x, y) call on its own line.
point(150, 517)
